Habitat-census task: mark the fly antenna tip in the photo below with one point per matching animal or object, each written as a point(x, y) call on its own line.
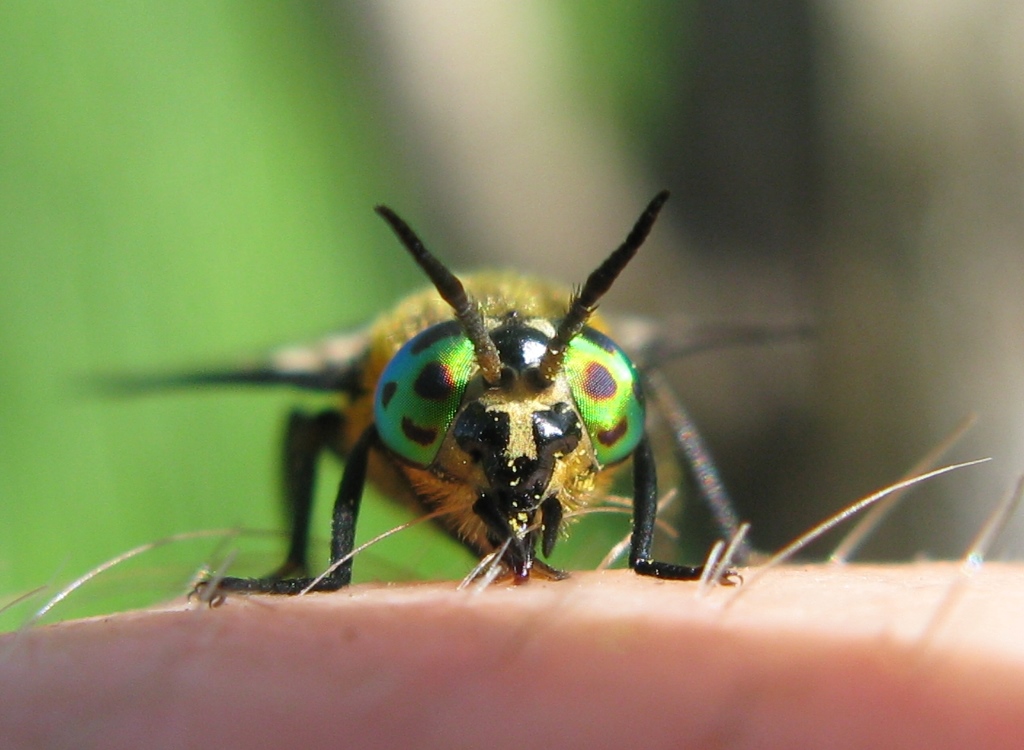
point(585, 301)
point(452, 291)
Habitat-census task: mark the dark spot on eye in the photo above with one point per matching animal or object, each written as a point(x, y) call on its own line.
point(387, 392)
point(434, 382)
point(610, 437)
point(417, 434)
point(598, 382)
point(432, 335)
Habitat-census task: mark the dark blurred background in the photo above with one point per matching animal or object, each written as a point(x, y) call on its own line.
point(191, 184)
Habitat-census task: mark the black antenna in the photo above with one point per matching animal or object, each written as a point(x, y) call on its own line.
point(452, 292)
point(584, 302)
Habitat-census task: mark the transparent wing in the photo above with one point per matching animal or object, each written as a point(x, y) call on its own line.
point(652, 343)
point(331, 364)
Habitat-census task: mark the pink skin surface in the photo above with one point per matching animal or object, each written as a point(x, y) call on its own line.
point(815, 657)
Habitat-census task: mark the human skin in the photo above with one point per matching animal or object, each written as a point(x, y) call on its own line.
point(908, 656)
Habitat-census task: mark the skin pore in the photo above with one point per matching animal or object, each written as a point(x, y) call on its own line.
point(899, 656)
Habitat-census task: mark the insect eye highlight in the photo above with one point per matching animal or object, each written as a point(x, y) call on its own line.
point(605, 385)
point(421, 389)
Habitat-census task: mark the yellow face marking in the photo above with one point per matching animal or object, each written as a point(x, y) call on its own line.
point(520, 422)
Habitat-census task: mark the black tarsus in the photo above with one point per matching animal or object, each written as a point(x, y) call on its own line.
point(693, 455)
point(598, 283)
point(452, 292)
point(645, 509)
point(343, 526)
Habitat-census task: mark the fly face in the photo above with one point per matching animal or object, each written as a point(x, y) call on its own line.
point(526, 439)
point(524, 451)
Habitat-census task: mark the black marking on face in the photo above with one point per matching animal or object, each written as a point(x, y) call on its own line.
point(518, 482)
point(557, 431)
point(482, 432)
point(518, 485)
point(434, 382)
point(387, 392)
point(432, 335)
point(417, 434)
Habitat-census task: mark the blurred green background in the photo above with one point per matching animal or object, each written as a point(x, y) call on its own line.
point(190, 184)
point(182, 185)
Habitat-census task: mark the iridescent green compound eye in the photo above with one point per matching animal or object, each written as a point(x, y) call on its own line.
point(420, 390)
point(606, 387)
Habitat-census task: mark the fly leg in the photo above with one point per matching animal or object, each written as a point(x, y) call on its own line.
point(693, 455)
point(306, 439)
point(645, 508)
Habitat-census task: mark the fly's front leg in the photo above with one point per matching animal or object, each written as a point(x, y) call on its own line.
point(306, 438)
point(693, 455)
point(346, 513)
point(645, 508)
